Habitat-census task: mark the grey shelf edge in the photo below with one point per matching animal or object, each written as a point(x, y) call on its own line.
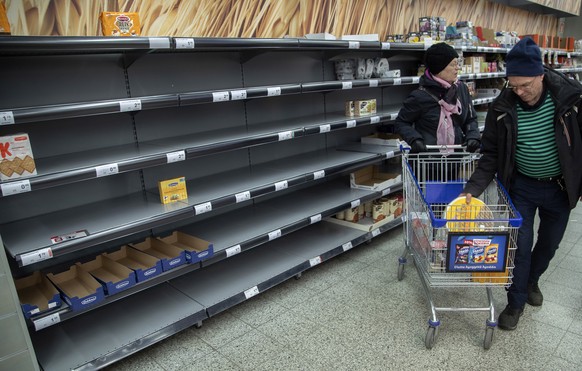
point(286, 224)
point(129, 225)
point(239, 278)
point(116, 330)
point(25, 115)
point(481, 75)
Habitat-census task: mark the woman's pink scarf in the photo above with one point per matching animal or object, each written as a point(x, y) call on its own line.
point(445, 130)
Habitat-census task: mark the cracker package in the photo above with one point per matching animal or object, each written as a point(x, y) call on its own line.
point(120, 24)
point(16, 159)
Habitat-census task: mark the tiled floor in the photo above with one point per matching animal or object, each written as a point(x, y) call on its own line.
point(351, 313)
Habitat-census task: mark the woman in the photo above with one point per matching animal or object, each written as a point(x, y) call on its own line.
point(440, 111)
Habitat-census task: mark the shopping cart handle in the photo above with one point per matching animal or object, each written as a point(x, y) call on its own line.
point(445, 146)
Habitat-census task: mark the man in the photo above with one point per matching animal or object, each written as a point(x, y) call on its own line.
point(532, 142)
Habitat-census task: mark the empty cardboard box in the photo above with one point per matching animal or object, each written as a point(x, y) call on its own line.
point(79, 289)
point(37, 294)
point(145, 266)
point(384, 139)
point(171, 256)
point(370, 178)
point(113, 276)
point(196, 248)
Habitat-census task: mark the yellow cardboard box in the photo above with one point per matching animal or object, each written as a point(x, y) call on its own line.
point(172, 190)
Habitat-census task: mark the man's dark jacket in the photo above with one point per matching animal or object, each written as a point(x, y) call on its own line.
point(500, 137)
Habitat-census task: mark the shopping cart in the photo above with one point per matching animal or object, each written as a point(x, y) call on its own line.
point(454, 244)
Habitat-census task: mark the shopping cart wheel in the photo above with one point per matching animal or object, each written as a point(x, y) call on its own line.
point(431, 335)
point(400, 271)
point(488, 337)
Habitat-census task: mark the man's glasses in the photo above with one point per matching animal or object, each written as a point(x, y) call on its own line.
point(524, 87)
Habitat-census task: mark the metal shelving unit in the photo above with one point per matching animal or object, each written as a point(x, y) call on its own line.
point(265, 155)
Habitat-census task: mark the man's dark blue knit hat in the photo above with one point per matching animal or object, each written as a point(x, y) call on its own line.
point(524, 59)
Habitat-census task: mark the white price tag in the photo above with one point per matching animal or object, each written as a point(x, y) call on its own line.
point(354, 44)
point(397, 81)
point(238, 94)
point(274, 235)
point(315, 261)
point(346, 246)
point(324, 128)
point(251, 292)
point(393, 116)
point(105, 170)
point(184, 43)
point(176, 156)
point(44, 322)
point(415, 79)
point(6, 118)
point(375, 232)
point(355, 203)
point(243, 196)
point(464, 48)
point(279, 186)
point(315, 219)
point(386, 191)
point(159, 42)
point(374, 83)
point(346, 84)
point(375, 119)
point(203, 208)
point(568, 55)
point(36, 256)
point(285, 135)
point(220, 96)
point(272, 92)
point(15, 188)
point(351, 124)
point(69, 236)
point(233, 251)
point(385, 46)
point(390, 154)
point(130, 105)
point(318, 174)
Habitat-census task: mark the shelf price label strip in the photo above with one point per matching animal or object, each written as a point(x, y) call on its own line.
point(14, 188)
point(49, 320)
point(36, 256)
point(185, 43)
point(6, 118)
point(233, 251)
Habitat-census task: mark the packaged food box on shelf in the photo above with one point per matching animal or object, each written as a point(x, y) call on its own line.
point(145, 266)
point(113, 276)
point(383, 139)
point(172, 190)
point(37, 294)
point(120, 24)
point(196, 248)
point(78, 288)
point(372, 179)
point(170, 256)
point(16, 158)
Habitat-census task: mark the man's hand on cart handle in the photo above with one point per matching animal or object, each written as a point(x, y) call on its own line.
point(467, 197)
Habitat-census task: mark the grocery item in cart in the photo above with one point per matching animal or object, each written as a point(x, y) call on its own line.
point(459, 209)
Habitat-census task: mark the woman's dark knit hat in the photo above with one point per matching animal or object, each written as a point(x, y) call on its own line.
point(438, 56)
point(524, 59)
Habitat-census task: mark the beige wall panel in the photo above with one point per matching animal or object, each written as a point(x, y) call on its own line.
point(267, 18)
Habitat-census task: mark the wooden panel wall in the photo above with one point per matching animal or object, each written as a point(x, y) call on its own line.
point(267, 18)
point(568, 6)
